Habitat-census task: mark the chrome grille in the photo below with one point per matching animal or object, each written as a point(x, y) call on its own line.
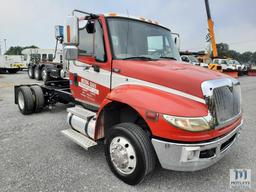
point(225, 104)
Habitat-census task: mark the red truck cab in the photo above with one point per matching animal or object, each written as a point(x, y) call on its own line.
point(132, 91)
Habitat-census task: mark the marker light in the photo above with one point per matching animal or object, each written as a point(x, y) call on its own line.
point(68, 33)
point(112, 14)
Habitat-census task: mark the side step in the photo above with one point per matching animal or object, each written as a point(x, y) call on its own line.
point(78, 138)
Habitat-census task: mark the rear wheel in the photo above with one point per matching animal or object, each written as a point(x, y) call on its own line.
point(12, 71)
point(37, 73)
point(31, 73)
point(45, 74)
point(129, 153)
point(25, 100)
point(39, 97)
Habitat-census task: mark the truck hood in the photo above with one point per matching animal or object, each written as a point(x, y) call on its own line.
point(172, 74)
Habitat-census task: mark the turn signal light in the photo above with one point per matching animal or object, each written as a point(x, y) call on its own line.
point(152, 115)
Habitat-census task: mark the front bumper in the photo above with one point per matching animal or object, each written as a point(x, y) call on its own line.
point(192, 157)
point(18, 65)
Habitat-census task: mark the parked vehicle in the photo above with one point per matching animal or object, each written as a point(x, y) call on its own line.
point(225, 64)
point(12, 63)
point(42, 65)
point(131, 90)
point(193, 60)
point(242, 69)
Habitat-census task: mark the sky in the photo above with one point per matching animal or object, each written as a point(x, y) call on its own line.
point(31, 22)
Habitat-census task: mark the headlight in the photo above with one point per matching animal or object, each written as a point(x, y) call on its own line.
point(190, 124)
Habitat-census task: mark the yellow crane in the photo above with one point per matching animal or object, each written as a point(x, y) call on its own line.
point(211, 29)
point(212, 66)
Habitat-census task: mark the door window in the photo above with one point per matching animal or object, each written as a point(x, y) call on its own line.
point(92, 44)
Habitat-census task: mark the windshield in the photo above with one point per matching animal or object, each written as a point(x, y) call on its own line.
point(136, 39)
point(193, 59)
point(234, 62)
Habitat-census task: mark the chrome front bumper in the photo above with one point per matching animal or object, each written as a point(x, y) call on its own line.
point(192, 157)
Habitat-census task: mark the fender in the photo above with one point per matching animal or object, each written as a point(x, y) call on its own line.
point(143, 99)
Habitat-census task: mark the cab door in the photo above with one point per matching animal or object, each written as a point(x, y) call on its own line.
point(90, 74)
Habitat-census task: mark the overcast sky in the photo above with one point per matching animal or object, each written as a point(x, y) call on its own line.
point(27, 22)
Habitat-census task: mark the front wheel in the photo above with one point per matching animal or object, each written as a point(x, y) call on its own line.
point(129, 153)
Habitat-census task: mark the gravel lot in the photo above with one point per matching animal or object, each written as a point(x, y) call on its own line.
point(34, 156)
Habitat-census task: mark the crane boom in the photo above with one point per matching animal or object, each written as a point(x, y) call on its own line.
point(211, 29)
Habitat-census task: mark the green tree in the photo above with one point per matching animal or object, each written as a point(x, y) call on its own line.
point(253, 58)
point(223, 49)
point(225, 52)
point(16, 50)
point(246, 57)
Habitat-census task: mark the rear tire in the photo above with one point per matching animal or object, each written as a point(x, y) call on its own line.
point(12, 71)
point(31, 72)
point(45, 75)
point(25, 100)
point(39, 98)
point(129, 153)
point(38, 74)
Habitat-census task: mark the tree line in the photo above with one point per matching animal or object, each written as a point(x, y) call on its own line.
point(16, 50)
point(246, 57)
point(223, 52)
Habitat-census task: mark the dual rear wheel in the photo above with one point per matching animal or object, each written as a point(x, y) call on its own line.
point(38, 73)
point(30, 99)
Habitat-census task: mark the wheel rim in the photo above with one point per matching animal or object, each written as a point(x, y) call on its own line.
point(44, 74)
point(122, 155)
point(21, 101)
point(36, 73)
point(30, 71)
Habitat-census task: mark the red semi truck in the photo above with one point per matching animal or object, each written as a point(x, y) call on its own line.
point(131, 90)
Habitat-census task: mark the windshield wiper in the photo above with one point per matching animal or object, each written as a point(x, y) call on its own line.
point(172, 58)
point(140, 58)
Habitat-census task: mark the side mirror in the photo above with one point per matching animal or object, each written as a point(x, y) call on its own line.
point(70, 53)
point(90, 27)
point(176, 39)
point(71, 31)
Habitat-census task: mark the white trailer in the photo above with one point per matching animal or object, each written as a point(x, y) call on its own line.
point(12, 63)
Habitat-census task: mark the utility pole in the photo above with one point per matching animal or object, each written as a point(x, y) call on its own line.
point(5, 45)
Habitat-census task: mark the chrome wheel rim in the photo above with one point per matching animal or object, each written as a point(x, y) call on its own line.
point(30, 72)
point(44, 74)
point(36, 73)
point(21, 101)
point(123, 155)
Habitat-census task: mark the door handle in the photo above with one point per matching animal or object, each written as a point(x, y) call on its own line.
point(87, 68)
point(96, 68)
point(116, 70)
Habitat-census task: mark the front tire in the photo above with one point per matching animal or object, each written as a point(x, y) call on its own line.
point(129, 153)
